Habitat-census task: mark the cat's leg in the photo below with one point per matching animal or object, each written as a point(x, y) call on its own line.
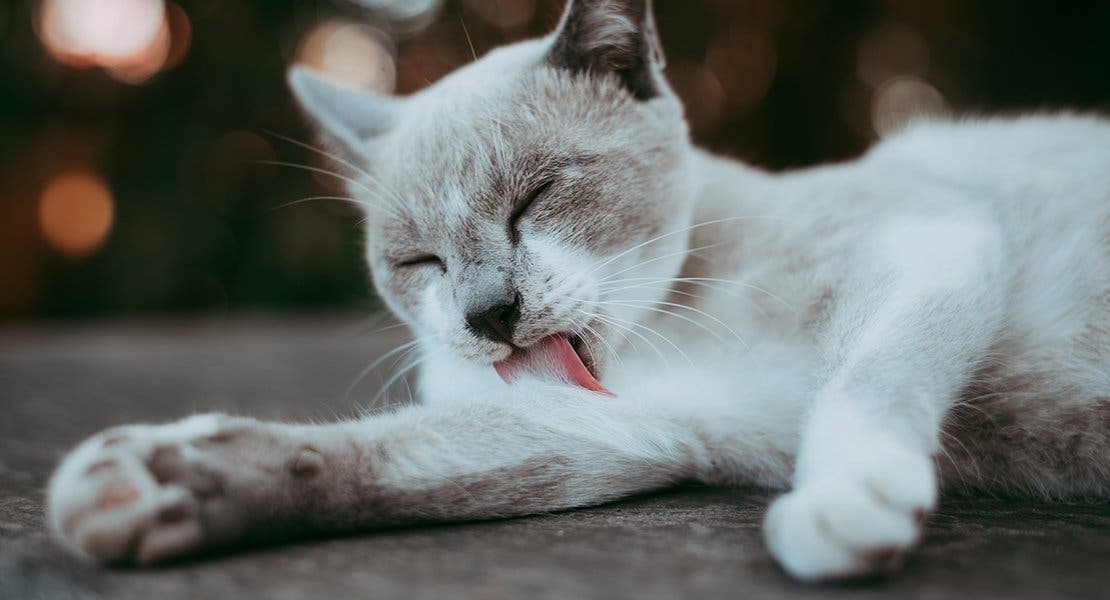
point(900, 345)
point(149, 493)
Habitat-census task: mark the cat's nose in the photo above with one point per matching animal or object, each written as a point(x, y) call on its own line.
point(496, 320)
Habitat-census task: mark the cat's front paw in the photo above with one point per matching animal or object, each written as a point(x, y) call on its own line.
point(147, 493)
point(856, 521)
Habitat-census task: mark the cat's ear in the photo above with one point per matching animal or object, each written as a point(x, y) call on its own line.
point(616, 36)
point(351, 117)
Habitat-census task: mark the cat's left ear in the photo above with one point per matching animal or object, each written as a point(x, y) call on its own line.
point(615, 36)
point(351, 117)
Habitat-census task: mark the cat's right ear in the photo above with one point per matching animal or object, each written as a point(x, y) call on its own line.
point(351, 117)
point(614, 36)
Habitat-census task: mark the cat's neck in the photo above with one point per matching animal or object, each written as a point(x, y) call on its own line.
point(735, 206)
point(747, 229)
point(728, 188)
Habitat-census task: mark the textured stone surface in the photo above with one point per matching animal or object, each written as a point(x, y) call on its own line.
point(60, 384)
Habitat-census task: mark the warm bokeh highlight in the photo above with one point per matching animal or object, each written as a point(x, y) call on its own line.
point(183, 109)
point(351, 54)
point(75, 212)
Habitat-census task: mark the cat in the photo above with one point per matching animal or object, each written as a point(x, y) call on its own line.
point(603, 309)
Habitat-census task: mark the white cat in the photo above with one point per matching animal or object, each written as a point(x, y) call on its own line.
point(935, 315)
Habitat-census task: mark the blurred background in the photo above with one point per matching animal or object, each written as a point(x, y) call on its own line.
point(137, 136)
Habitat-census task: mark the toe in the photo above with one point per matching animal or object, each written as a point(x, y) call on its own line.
point(169, 540)
point(795, 538)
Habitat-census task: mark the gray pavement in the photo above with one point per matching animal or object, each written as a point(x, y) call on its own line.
point(61, 383)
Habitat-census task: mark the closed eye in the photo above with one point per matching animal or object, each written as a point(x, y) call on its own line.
point(425, 260)
point(519, 211)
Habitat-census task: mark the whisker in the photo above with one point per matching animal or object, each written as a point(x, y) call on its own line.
point(671, 290)
point(340, 176)
point(364, 326)
point(408, 389)
point(388, 204)
point(619, 330)
point(616, 320)
point(676, 232)
point(609, 347)
point(646, 280)
point(605, 293)
point(657, 289)
point(698, 311)
point(705, 281)
point(613, 322)
point(469, 42)
point(340, 160)
point(320, 151)
point(316, 198)
point(389, 383)
point(671, 313)
point(663, 257)
point(362, 375)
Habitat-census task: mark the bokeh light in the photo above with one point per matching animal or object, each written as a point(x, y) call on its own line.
point(744, 61)
point(181, 35)
point(130, 39)
point(75, 212)
point(100, 31)
point(145, 63)
point(893, 61)
point(899, 101)
point(196, 227)
point(403, 15)
point(350, 54)
point(701, 93)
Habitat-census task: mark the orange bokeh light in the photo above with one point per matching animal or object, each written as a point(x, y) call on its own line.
point(75, 212)
point(181, 35)
point(744, 61)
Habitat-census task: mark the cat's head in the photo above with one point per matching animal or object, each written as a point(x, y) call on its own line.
point(527, 194)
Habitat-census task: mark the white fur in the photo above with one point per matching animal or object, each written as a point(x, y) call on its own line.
point(931, 316)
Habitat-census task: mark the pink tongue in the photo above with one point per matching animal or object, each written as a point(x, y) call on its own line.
point(551, 358)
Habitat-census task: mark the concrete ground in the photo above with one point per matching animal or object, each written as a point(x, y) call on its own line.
point(59, 384)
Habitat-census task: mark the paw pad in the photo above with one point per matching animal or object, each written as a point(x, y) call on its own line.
point(307, 463)
point(166, 463)
point(117, 495)
point(99, 466)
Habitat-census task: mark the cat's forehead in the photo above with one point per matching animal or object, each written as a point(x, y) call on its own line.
point(497, 128)
point(535, 118)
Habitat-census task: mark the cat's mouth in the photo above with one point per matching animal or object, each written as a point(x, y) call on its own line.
point(561, 357)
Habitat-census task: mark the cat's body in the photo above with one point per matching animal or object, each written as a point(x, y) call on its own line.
point(1033, 412)
point(940, 306)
